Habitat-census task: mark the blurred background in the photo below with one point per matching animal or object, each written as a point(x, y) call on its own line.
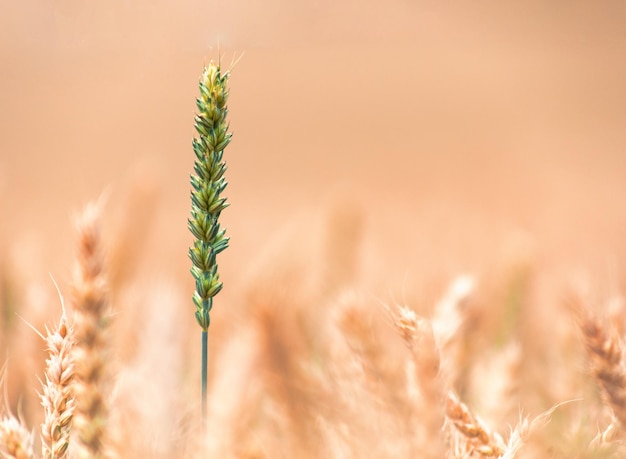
point(440, 137)
point(385, 146)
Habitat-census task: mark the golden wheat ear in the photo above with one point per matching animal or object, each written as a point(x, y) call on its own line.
point(57, 397)
point(90, 304)
point(471, 434)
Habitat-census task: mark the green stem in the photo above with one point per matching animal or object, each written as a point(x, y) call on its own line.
point(205, 340)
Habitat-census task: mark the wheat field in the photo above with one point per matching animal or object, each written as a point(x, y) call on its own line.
point(427, 226)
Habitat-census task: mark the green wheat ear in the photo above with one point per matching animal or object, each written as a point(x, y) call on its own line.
point(208, 183)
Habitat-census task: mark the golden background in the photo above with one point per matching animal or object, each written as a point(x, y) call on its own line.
point(439, 138)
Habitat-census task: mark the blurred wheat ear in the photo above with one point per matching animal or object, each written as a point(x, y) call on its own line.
point(15, 440)
point(605, 351)
point(207, 184)
point(90, 305)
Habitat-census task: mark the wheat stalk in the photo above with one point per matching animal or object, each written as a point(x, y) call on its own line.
point(206, 202)
point(90, 303)
point(58, 397)
point(423, 371)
